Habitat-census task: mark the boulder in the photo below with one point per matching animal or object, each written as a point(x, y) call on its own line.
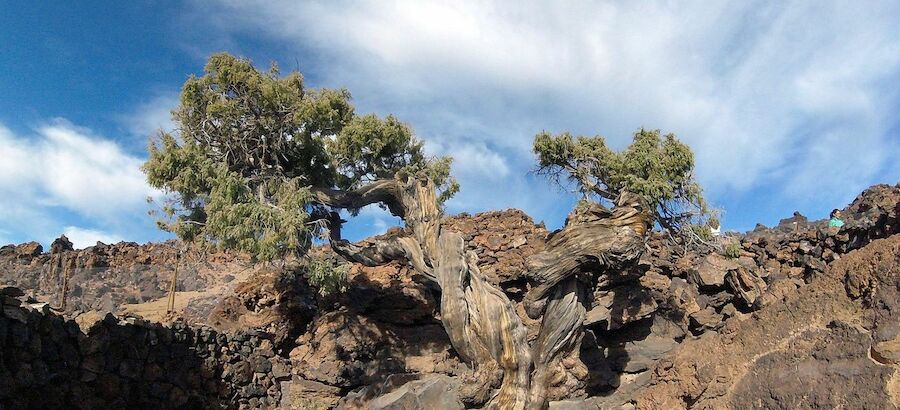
point(747, 285)
point(432, 392)
point(619, 306)
point(61, 244)
point(706, 319)
point(887, 352)
point(29, 250)
point(711, 271)
point(12, 292)
point(640, 355)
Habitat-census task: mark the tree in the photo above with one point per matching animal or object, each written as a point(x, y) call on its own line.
point(254, 149)
point(657, 168)
point(649, 181)
point(263, 165)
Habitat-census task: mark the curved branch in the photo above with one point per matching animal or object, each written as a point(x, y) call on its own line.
point(385, 251)
point(386, 191)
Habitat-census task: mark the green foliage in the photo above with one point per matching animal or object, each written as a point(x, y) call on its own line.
point(252, 143)
point(733, 249)
point(658, 168)
point(702, 231)
point(259, 124)
point(323, 275)
point(369, 148)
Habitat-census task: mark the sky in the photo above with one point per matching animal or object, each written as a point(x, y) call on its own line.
point(787, 105)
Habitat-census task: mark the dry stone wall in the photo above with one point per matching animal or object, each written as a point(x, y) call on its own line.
point(96, 360)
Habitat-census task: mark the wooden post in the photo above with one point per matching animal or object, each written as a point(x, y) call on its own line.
point(65, 284)
point(172, 286)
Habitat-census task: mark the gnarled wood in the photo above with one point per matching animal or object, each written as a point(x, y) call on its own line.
point(479, 318)
point(482, 323)
point(383, 191)
point(560, 336)
point(594, 239)
point(385, 251)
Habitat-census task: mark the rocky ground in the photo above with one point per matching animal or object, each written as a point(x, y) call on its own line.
point(800, 317)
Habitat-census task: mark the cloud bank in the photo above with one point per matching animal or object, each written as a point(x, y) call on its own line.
point(63, 173)
point(786, 105)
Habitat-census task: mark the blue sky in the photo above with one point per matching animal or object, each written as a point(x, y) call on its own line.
point(788, 106)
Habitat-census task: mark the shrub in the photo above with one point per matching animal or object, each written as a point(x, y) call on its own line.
point(325, 276)
point(733, 249)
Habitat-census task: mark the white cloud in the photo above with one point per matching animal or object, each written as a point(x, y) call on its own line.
point(768, 95)
point(64, 173)
point(152, 116)
point(472, 159)
point(88, 174)
point(83, 238)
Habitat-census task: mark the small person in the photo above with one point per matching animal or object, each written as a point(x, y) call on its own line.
point(835, 221)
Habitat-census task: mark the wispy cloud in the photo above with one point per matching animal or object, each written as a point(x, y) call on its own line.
point(770, 95)
point(472, 158)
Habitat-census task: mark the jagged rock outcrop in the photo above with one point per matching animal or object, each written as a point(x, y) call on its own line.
point(812, 351)
point(105, 277)
point(697, 294)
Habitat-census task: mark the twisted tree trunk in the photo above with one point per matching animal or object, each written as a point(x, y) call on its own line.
point(479, 318)
point(594, 240)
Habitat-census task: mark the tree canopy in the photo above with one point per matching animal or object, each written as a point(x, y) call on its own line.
point(657, 168)
point(251, 146)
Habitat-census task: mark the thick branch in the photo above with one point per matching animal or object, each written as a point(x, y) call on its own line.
point(386, 191)
point(412, 198)
point(385, 251)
